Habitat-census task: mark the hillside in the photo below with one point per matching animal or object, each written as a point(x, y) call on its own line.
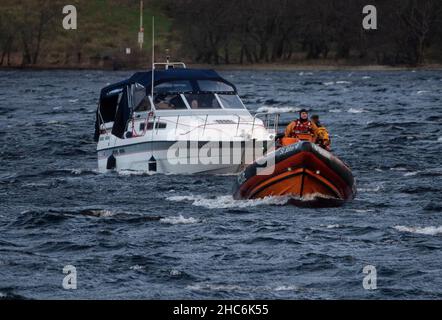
point(221, 32)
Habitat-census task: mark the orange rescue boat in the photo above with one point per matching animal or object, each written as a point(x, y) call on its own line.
point(309, 174)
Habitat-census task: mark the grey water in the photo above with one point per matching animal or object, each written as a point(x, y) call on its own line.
point(140, 236)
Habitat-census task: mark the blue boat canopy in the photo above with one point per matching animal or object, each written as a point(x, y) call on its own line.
point(170, 75)
point(114, 99)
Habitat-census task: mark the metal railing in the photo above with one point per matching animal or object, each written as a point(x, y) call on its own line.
point(266, 120)
point(270, 122)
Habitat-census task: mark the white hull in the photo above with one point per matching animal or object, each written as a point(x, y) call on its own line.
point(139, 161)
point(137, 153)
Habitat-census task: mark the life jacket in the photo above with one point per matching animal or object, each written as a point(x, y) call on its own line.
point(322, 136)
point(300, 127)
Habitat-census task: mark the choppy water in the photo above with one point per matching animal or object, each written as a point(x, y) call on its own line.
point(170, 236)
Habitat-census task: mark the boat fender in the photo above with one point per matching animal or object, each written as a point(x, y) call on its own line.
point(152, 164)
point(111, 163)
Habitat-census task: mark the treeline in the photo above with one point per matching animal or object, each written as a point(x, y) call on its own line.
point(31, 33)
point(264, 31)
point(409, 32)
point(24, 27)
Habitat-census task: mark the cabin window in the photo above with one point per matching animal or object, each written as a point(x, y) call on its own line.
point(202, 101)
point(230, 101)
point(140, 101)
point(158, 125)
point(214, 86)
point(138, 93)
point(174, 87)
point(169, 102)
point(144, 105)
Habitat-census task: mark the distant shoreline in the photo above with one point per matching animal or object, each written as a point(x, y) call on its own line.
point(245, 67)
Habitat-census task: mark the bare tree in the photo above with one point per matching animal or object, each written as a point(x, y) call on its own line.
point(34, 24)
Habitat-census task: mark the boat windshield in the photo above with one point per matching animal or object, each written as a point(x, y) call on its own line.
point(200, 94)
point(167, 101)
point(177, 86)
point(230, 101)
point(202, 101)
point(214, 86)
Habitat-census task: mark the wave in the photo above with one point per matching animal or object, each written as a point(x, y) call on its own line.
point(175, 273)
point(179, 220)
point(432, 231)
point(410, 174)
point(331, 226)
point(268, 109)
point(302, 73)
point(99, 213)
point(356, 110)
point(35, 185)
point(43, 217)
point(335, 110)
point(239, 288)
point(227, 201)
point(374, 189)
point(136, 267)
point(343, 82)
point(62, 172)
point(135, 173)
point(363, 210)
point(286, 288)
point(330, 83)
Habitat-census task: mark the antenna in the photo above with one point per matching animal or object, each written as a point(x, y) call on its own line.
point(153, 54)
point(141, 32)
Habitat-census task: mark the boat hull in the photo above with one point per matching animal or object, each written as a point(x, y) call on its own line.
point(307, 173)
point(155, 157)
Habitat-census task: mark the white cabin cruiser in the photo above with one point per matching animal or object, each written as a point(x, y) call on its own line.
point(177, 120)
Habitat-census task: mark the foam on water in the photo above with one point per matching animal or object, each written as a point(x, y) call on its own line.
point(268, 109)
point(101, 213)
point(286, 288)
point(36, 185)
point(432, 231)
point(363, 210)
point(179, 220)
point(410, 174)
point(398, 169)
point(175, 273)
point(136, 267)
point(343, 82)
point(356, 110)
point(372, 189)
point(240, 288)
point(135, 172)
point(227, 201)
point(332, 226)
